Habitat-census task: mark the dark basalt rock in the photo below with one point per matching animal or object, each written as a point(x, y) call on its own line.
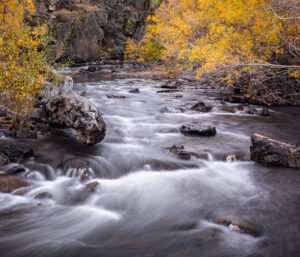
point(11, 183)
point(198, 130)
point(266, 150)
point(14, 170)
point(201, 107)
point(18, 152)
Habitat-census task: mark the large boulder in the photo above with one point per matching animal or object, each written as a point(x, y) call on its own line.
point(67, 109)
point(266, 150)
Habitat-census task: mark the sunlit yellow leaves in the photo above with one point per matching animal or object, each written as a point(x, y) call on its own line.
point(214, 34)
point(22, 67)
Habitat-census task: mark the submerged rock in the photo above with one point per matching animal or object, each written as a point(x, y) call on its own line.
point(11, 183)
point(116, 96)
point(264, 112)
point(87, 191)
point(266, 150)
point(134, 91)
point(238, 225)
point(171, 110)
point(198, 130)
point(237, 99)
point(43, 195)
point(18, 152)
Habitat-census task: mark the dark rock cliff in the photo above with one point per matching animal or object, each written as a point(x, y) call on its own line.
point(88, 30)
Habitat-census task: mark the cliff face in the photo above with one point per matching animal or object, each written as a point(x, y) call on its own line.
point(87, 30)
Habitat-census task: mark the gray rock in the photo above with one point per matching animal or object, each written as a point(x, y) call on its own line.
point(67, 109)
point(266, 150)
point(198, 130)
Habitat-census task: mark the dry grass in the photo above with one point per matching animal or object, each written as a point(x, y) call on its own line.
point(76, 10)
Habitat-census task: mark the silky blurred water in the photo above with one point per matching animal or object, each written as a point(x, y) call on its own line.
point(148, 202)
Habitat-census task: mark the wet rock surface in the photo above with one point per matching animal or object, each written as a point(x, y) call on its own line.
point(238, 225)
point(201, 107)
point(198, 130)
point(116, 96)
point(266, 150)
point(14, 170)
point(11, 183)
point(18, 152)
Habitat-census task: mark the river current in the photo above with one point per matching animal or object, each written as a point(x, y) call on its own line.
point(148, 203)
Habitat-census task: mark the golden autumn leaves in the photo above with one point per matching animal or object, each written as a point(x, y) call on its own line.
point(23, 65)
point(213, 35)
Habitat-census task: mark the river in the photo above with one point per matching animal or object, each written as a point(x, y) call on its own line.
point(148, 202)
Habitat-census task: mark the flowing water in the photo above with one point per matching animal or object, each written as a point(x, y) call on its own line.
point(148, 202)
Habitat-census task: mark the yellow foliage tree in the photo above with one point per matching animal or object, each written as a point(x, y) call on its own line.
point(23, 64)
point(214, 35)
